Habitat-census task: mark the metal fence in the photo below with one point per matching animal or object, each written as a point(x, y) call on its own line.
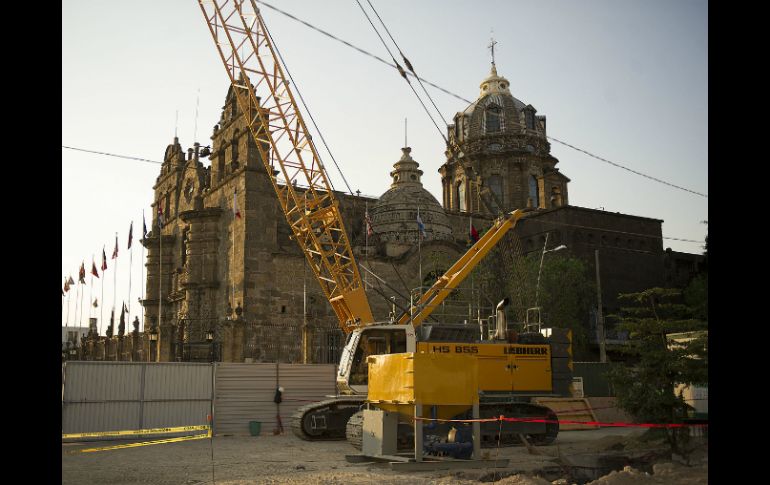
point(115, 396)
point(245, 392)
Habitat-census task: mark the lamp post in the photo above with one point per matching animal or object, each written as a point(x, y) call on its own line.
point(542, 256)
point(599, 316)
point(153, 338)
point(210, 340)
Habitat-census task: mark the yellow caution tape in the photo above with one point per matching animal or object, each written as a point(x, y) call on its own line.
point(135, 432)
point(144, 443)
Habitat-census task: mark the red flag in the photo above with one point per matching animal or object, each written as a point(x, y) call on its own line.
point(130, 234)
point(94, 271)
point(474, 234)
point(82, 273)
point(104, 260)
point(115, 252)
point(369, 230)
point(236, 212)
point(67, 284)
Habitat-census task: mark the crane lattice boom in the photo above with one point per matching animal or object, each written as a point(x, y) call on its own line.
point(288, 153)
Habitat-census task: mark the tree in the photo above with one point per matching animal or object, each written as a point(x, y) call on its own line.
point(646, 389)
point(566, 291)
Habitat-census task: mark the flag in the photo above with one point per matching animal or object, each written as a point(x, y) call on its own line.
point(94, 270)
point(115, 252)
point(67, 284)
point(104, 260)
point(369, 230)
point(236, 212)
point(420, 225)
point(82, 273)
point(71, 281)
point(130, 234)
point(144, 227)
point(474, 234)
point(96, 303)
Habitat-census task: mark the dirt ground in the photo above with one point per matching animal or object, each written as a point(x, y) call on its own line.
point(287, 460)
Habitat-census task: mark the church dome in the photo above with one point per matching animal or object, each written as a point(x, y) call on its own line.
point(496, 113)
point(394, 217)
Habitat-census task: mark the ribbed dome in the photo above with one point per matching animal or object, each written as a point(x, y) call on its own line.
point(394, 217)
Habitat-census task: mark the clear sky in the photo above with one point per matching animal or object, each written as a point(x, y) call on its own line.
point(625, 80)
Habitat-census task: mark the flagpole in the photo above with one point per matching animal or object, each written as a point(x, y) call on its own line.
point(366, 230)
point(82, 294)
point(130, 267)
point(101, 314)
point(91, 289)
point(144, 235)
point(232, 257)
point(160, 266)
point(470, 301)
point(67, 321)
point(115, 278)
point(77, 297)
point(419, 249)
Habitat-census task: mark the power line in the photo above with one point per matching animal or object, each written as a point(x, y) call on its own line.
point(348, 44)
point(402, 72)
point(112, 155)
point(614, 231)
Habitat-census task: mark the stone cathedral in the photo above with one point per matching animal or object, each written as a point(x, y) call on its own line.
point(235, 288)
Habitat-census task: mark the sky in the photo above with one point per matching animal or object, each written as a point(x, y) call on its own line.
point(625, 80)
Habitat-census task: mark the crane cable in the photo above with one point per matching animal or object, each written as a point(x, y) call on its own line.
point(348, 44)
point(406, 62)
point(402, 72)
point(307, 110)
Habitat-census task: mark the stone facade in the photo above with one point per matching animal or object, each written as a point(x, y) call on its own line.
point(220, 258)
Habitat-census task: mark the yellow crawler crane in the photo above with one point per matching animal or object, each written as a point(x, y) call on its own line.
point(508, 378)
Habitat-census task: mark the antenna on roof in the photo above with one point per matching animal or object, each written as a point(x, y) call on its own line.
point(405, 142)
point(197, 102)
point(176, 123)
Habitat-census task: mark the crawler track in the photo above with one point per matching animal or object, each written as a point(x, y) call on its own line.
point(325, 420)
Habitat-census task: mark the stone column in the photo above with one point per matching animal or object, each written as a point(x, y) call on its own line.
point(153, 281)
point(165, 339)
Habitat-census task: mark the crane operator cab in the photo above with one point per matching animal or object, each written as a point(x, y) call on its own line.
point(375, 339)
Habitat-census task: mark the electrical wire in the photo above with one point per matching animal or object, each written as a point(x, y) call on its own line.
point(549, 222)
point(406, 61)
point(362, 51)
point(369, 54)
point(113, 155)
point(307, 109)
point(402, 73)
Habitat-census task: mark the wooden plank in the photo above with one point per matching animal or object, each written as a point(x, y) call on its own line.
point(571, 409)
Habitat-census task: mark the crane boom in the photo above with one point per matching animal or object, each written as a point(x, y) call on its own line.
point(431, 299)
point(287, 151)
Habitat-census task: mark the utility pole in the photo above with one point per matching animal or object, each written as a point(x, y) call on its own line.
point(599, 316)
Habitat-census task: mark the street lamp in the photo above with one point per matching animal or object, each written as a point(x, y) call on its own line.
point(542, 256)
point(210, 340)
point(153, 338)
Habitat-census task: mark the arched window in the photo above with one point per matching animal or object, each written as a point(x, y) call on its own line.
point(529, 119)
point(495, 183)
point(492, 119)
point(534, 193)
point(235, 146)
point(461, 206)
